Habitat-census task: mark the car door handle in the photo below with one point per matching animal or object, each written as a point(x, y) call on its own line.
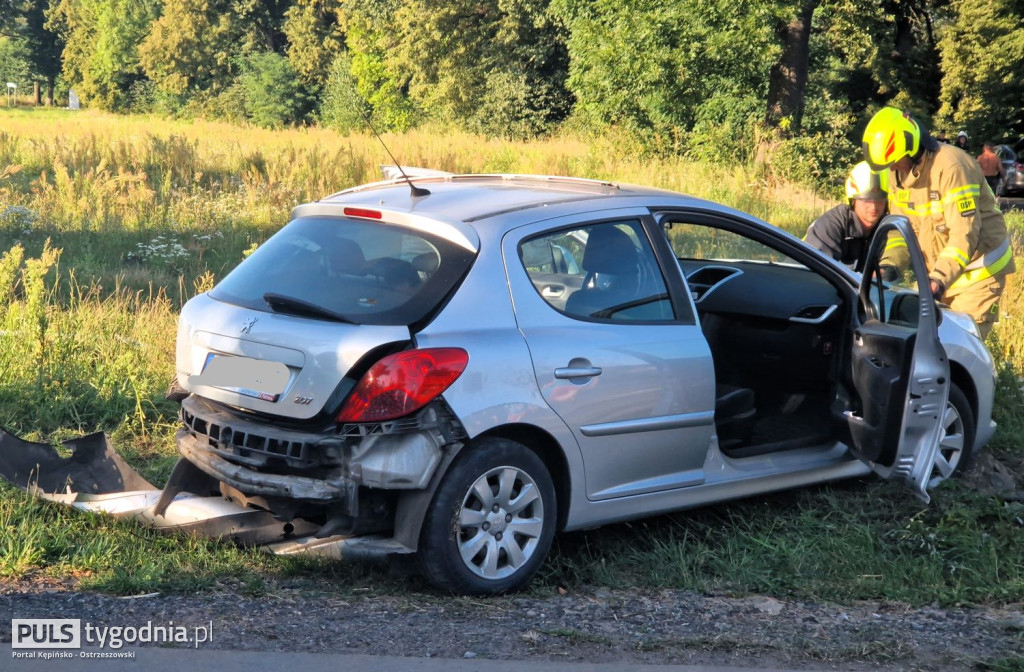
point(814, 314)
point(570, 372)
point(552, 291)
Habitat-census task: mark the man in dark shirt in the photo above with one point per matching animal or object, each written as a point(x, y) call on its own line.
point(844, 231)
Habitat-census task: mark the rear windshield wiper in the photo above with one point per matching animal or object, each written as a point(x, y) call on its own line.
point(280, 303)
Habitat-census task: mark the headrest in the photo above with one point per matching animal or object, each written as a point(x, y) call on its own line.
point(346, 256)
point(609, 250)
point(426, 262)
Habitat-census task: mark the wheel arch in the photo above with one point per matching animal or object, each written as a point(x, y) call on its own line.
point(412, 506)
point(550, 452)
point(962, 379)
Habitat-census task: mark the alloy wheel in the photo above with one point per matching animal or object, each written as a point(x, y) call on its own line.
point(951, 447)
point(500, 522)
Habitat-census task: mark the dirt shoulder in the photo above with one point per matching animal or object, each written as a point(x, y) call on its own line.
point(594, 625)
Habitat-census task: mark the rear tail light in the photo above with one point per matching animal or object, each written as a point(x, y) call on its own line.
point(403, 383)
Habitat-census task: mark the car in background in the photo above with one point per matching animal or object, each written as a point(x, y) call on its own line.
point(463, 368)
point(1013, 172)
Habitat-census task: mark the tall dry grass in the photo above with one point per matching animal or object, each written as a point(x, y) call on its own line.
point(109, 223)
point(145, 210)
point(92, 171)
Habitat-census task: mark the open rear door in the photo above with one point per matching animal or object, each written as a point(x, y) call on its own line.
point(899, 368)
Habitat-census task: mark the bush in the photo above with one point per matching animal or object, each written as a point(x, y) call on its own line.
point(145, 97)
point(725, 129)
point(141, 97)
point(271, 89)
point(515, 108)
point(341, 106)
point(819, 160)
point(230, 104)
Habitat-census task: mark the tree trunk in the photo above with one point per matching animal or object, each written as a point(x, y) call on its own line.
point(49, 90)
point(36, 94)
point(915, 53)
point(788, 78)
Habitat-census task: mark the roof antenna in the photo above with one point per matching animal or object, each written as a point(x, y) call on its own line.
point(416, 191)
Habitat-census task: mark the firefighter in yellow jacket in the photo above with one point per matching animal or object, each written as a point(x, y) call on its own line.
point(951, 208)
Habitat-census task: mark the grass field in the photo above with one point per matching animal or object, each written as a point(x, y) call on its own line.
point(108, 224)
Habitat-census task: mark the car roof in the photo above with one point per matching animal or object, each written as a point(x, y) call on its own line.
point(470, 198)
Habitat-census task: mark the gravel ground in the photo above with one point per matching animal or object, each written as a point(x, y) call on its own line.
point(595, 625)
point(592, 625)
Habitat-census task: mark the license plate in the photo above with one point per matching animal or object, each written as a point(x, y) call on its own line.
point(244, 375)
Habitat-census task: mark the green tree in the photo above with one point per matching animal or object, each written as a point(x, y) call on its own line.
point(260, 24)
point(341, 106)
point(913, 63)
point(45, 47)
point(273, 95)
point(14, 63)
point(498, 66)
point(197, 47)
point(849, 63)
point(983, 82)
point(191, 46)
point(101, 37)
point(787, 80)
point(8, 14)
point(314, 39)
point(23, 23)
point(860, 56)
point(686, 72)
point(370, 37)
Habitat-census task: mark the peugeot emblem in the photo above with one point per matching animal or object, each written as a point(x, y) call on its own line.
point(247, 325)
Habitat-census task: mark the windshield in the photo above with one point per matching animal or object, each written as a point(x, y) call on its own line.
point(349, 270)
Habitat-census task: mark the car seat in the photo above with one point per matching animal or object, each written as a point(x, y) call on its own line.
point(612, 279)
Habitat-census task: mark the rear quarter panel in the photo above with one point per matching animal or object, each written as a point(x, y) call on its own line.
point(498, 387)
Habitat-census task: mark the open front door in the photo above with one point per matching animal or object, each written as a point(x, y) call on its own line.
point(899, 368)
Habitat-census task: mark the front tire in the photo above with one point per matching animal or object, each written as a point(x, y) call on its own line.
point(491, 522)
point(956, 449)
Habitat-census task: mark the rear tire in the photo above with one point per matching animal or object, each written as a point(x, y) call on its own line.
point(491, 522)
point(956, 449)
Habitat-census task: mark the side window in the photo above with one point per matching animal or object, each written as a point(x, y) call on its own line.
point(699, 241)
point(604, 271)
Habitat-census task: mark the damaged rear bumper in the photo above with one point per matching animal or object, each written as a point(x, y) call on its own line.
point(260, 458)
point(94, 478)
point(253, 482)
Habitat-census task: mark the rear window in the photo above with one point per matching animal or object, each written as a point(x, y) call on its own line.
point(363, 272)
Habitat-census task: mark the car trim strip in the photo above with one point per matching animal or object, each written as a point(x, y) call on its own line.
point(661, 422)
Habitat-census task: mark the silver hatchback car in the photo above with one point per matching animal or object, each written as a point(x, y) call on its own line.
point(462, 368)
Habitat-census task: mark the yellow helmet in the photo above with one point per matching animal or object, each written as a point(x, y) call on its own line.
point(864, 183)
point(890, 135)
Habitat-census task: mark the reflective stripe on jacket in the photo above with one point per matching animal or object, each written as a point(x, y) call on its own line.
point(984, 267)
point(954, 214)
